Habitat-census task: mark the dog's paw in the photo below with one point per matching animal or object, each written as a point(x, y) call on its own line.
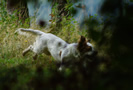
point(60, 69)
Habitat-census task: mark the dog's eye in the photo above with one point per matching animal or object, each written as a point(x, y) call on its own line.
point(89, 48)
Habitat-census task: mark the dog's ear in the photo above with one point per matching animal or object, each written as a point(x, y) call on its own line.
point(81, 43)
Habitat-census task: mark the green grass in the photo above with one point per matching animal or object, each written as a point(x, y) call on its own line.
point(12, 45)
point(18, 72)
point(103, 72)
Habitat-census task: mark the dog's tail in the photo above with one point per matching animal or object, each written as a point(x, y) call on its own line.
point(23, 31)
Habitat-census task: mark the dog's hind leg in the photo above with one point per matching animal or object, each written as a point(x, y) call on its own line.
point(35, 56)
point(30, 48)
point(27, 50)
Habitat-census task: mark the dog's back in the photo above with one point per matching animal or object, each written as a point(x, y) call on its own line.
point(55, 45)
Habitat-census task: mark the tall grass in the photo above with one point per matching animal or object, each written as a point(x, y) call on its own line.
point(12, 44)
point(24, 72)
point(18, 72)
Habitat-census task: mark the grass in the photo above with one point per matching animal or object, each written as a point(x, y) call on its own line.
point(12, 45)
point(104, 72)
point(18, 72)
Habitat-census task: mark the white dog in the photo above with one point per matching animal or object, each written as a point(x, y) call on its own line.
point(60, 50)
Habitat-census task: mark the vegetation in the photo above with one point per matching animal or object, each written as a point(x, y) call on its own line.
point(111, 69)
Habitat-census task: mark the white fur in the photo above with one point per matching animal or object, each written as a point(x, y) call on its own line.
point(50, 44)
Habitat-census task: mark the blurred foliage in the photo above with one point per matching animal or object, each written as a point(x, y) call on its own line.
point(111, 69)
point(20, 8)
point(61, 9)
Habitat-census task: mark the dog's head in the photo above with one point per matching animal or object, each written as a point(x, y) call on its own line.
point(85, 47)
point(76, 51)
